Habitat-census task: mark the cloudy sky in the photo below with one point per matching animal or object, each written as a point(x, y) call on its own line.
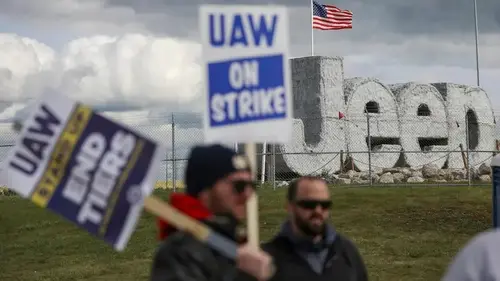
point(144, 55)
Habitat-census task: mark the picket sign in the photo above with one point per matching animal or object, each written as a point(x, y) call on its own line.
point(95, 172)
point(247, 81)
point(495, 176)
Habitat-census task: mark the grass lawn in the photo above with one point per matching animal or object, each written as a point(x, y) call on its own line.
point(403, 234)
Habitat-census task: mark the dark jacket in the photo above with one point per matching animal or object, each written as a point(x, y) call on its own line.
point(335, 258)
point(181, 257)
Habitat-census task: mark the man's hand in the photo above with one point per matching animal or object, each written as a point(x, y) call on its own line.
point(255, 262)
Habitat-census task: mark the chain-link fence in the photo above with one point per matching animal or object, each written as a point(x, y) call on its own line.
point(363, 149)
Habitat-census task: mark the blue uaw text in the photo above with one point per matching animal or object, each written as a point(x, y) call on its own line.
point(243, 30)
point(246, 90)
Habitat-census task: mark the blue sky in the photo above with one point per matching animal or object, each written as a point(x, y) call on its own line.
point(55, 36)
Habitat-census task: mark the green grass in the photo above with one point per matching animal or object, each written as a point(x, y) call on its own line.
point(402, 233)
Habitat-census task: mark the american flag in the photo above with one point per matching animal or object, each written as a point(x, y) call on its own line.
point(328, 17)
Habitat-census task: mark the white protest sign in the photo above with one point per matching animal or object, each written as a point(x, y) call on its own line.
point(94, 172)
point(246, 73)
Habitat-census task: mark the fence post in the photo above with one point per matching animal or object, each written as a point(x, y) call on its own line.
point(263, 164)
point(273, 165)
point(269, 163)
point(166, 169)
point(341, 161)
point(369, 147)
point(174, 170)
point(467, 140)
point(495, 179)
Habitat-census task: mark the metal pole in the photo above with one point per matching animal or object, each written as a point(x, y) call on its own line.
point(369, 147)
point(263, 164)
point(273, 165)
point(166, 170)
point(477, 44)
point(174, 170)
point(495, 179)
point(312, 29)
point(467, 148)
point(269, 162)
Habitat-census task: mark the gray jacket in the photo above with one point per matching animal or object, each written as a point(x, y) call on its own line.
point(479, 260)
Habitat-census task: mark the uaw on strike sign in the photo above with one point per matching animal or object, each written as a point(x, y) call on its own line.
point(246, 73)
point(92, 171)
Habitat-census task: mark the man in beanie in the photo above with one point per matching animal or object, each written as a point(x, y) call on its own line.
point(218, 184)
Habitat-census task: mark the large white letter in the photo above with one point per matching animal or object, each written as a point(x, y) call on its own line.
point(468, 103)
point(364, 94)
point(422, 115)
point(317, 99)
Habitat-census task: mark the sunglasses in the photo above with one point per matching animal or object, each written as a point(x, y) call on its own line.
point(313, 204)
point(239, 186)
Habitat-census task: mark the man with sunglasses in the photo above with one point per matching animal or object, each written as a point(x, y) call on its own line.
point(307, 247)
point(218, 185)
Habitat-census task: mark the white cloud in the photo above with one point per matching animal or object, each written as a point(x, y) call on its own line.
point(8, 114)
point(132, 70)
point(21, 60)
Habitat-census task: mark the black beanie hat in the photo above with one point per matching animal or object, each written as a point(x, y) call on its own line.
point(208, 164)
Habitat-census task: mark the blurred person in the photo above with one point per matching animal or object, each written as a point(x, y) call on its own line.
point(308, 247)
point(218, 185)
point(479, 260)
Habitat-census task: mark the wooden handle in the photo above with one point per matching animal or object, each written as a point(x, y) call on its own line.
point(159, 208)
point(227, 247)
point(252, 207)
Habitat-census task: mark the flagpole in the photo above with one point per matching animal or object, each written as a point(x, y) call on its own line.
point(312, 28)
point(477, 45)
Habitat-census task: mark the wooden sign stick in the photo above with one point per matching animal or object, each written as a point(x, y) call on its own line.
point(160, 208)
point(252, 207)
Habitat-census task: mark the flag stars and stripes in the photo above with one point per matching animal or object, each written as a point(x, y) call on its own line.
point(329, 17)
